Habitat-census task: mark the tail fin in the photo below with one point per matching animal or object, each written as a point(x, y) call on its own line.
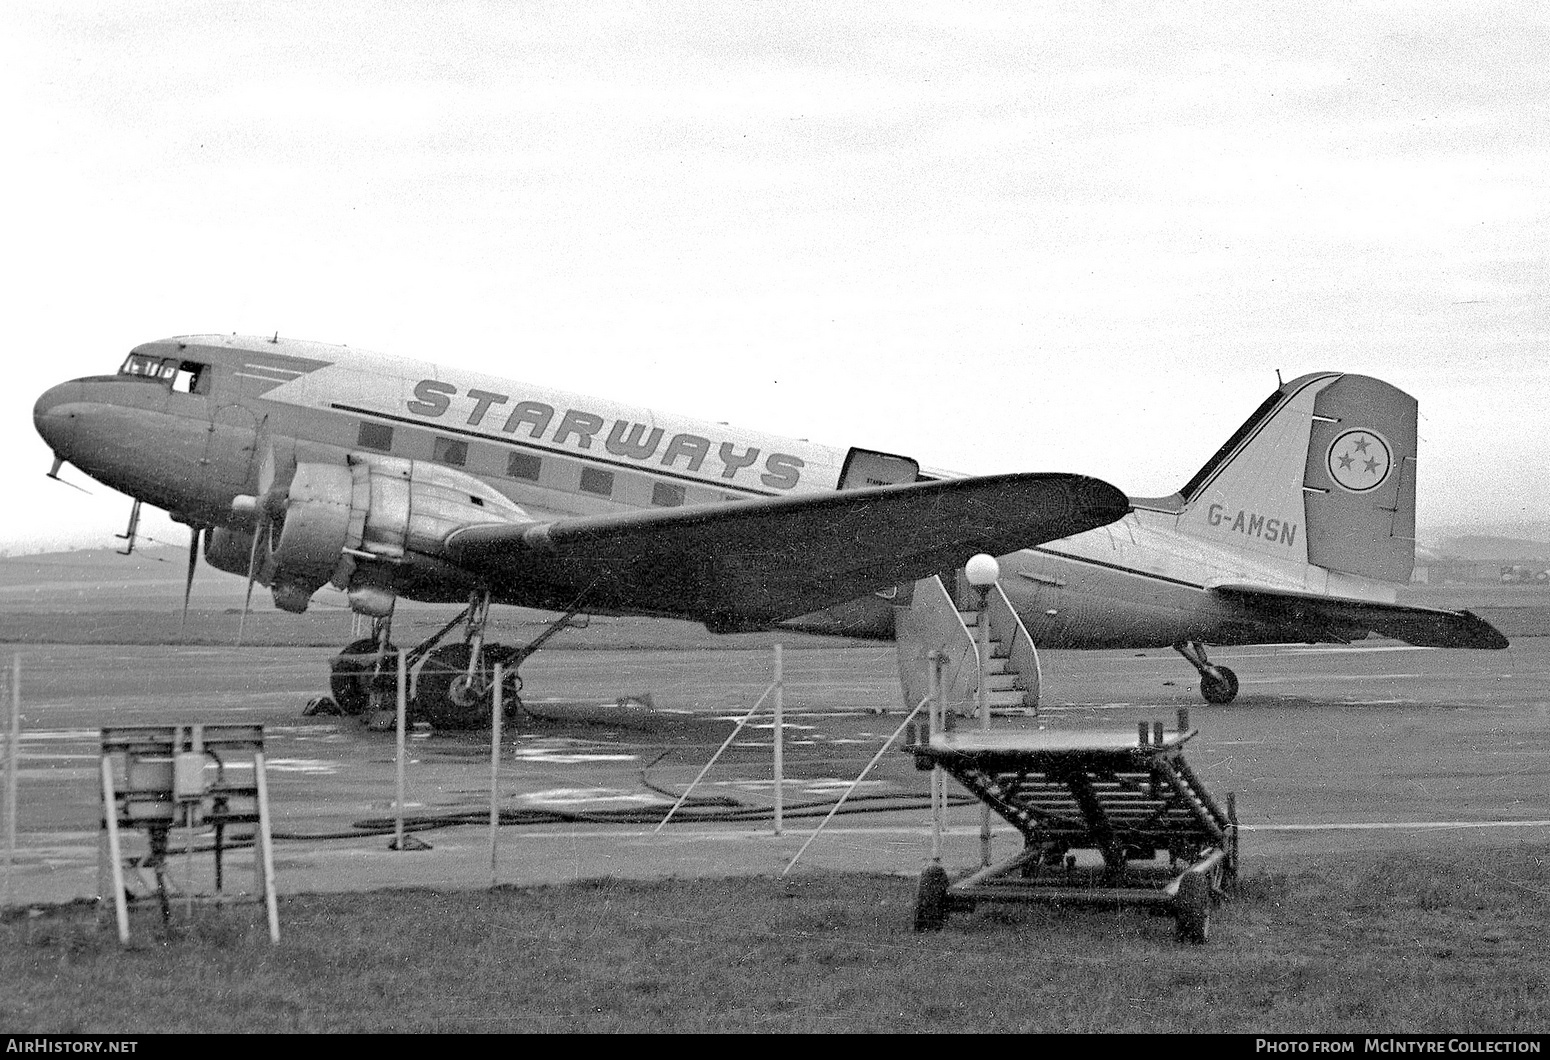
point(1323, 473)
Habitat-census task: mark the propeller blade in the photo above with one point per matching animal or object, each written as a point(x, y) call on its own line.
point(194, 534)
point(270, 506)
point(247, 602)
point(266, 463)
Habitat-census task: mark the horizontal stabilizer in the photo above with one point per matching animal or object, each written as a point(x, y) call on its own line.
point(1424, 627)
point(752, 563)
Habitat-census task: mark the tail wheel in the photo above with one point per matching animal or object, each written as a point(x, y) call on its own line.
point(1218, 685)
point(445, 696)
point(351, 672)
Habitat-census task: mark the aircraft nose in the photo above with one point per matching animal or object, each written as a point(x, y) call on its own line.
point(53, 418)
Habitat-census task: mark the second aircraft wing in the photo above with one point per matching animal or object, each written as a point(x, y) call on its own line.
point(1345, 618)
point(749, 564)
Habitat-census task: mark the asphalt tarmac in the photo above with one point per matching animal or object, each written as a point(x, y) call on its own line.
point(1327, 750)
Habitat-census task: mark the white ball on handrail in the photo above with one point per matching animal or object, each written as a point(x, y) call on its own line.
point(983, 571)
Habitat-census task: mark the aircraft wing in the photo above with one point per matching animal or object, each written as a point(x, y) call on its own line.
point(1422, 626)
point(747, 564)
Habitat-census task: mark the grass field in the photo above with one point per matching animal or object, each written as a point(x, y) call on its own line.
point(1435, 944)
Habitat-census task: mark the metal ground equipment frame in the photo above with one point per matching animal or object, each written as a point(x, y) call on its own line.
point(1162, 839)
point(188, 779)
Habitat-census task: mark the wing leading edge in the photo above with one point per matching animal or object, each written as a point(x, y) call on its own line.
point(1422, 626)
point(752, 563)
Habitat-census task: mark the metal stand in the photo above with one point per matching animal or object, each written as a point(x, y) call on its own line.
point(160, 778)
point(1162, 839)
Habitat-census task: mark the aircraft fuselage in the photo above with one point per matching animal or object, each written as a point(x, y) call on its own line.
point(186, 433)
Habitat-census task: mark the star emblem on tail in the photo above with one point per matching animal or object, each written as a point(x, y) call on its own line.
point(1359, 460)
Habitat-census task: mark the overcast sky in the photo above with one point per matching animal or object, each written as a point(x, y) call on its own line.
point(994, 237)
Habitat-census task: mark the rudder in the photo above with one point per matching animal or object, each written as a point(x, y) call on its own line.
point(1322, 473)
point(1359, 483)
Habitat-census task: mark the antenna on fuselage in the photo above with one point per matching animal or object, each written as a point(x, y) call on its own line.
point(132, 534)
point(53, 473)
point(276, 338)
point(1278, 379)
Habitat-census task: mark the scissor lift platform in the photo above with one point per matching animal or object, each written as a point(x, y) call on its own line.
point(1162, 839)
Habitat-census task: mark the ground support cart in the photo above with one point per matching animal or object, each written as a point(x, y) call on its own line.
point(1162, 839)
point(188, 779)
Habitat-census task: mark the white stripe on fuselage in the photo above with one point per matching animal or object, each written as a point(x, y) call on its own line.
point(489, 408)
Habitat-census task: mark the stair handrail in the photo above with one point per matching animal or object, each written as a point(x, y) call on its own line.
point(1007, 629)
point(930, 623)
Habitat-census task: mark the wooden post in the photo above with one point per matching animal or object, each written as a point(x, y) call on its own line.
point(266, 847)
point(115, 852)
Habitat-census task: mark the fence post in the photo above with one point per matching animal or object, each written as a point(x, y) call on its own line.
point(780, 739)
point(495, 767)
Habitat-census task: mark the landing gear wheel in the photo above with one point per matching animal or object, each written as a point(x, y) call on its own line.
point(1193, 908)
point(931, 899)
point(511, 694)
point(350, 674)
point(1218, 685)
point(443, 694)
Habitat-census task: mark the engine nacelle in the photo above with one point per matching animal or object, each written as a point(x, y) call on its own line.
point(229, 550)
point(355, 524)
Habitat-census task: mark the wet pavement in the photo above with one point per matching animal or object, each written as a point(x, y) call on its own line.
point(1328, 750)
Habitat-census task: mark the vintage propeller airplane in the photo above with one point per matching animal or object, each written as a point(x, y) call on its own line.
point(299, 464)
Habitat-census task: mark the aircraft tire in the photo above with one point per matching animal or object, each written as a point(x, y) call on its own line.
point(931, 899)
point(1194, 908)
point(350, 674)
point(441, 697)
point(1218, 685)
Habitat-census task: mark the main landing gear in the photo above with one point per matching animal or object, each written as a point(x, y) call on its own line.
point(1218, 684)
point(454, 686)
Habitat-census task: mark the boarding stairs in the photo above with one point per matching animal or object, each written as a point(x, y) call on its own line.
point(929, 621)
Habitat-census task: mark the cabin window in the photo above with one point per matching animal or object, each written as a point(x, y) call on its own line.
point(378, 436)
point(523, 465)
point(452, 451)
point(596, 480)
point(666, 494)
point(191, 377)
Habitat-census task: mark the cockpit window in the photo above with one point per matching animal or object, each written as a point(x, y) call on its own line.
point(185, 377)
point(154, 367)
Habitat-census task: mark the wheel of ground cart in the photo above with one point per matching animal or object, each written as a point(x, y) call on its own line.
point(1219, 685)
point(1193, 908)
point(444, 695)
point(931, 899)
point(350, 674)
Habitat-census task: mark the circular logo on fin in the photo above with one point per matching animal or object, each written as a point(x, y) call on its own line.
point(1359, 461)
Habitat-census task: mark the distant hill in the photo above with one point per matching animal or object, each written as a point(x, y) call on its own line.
point(1484, 549)
point(1535, 531)
point(101, 578)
